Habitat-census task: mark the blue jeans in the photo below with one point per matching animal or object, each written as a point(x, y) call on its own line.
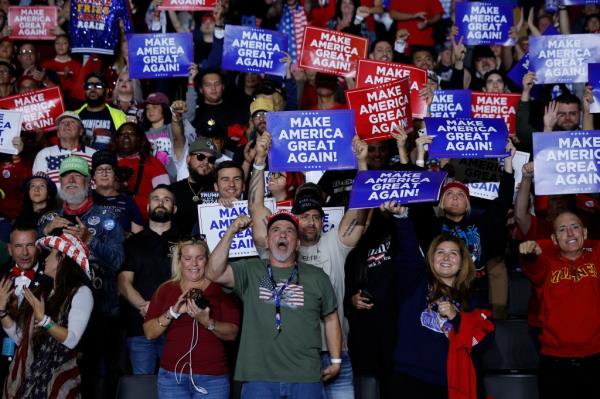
point(217, 386)
point(144, 353)
point(341, 387)
point(287, 390)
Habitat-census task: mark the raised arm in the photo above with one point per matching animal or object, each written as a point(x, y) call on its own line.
point(354, 221)
point(522, 215)
point(218, 269)
point(178, 108)
point(588, 118)
point(256, 192)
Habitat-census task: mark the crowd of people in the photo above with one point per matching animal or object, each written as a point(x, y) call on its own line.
point(106, 272)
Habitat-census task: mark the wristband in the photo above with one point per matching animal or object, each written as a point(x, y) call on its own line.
point(335, 360)
point(49, 326)
point(259, 167)
point(173, 313)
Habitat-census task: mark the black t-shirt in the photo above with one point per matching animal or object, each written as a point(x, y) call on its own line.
point(187, 209)
point(370, 267)
point(99, 128)
point(213, 120)
point(148, 256)
point(337, 184)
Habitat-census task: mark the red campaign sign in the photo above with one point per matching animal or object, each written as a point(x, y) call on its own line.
point(496, 105)
point(372, 73)
point(381, 109)
point(328, 51)
point(32, 23)
point(40, 108)
point(188, 5)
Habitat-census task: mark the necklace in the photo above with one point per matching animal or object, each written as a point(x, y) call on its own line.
point(196, 197)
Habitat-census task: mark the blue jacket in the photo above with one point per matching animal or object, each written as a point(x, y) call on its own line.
point(106, 253)
point(421, 347)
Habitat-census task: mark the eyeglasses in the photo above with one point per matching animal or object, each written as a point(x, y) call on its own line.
point(22, 52)
point(93, 85)
point(106, 171)
point(201, 157)
point(276, 175)
point(260, 115)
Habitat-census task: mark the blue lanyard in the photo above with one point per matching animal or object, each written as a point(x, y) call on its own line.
point(278, 292)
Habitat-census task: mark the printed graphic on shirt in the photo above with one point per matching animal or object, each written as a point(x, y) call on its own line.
point(471, 237)
point(93, 126)
point(292, 297)
point(377, 256)
point(432, 320)
point(574, 273)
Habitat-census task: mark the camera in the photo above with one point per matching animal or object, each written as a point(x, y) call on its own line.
point(195, 294)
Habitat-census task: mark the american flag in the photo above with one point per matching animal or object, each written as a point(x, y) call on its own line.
point(293, 295)
point(55, 160)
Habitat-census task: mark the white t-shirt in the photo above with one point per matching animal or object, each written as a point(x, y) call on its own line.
point(330, 255)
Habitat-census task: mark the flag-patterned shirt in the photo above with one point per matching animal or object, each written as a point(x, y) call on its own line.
point(48, 160)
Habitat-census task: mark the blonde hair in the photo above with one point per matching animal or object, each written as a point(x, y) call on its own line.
point(176, 258)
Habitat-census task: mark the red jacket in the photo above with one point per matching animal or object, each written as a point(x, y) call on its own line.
point(462, 380)
point(569, 293)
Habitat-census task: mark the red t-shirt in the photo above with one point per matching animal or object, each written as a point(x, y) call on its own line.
point(319, 16)
point(208, 357)
point(417, 36)
point(67, 80)
point(569, 293)
point(152, 169)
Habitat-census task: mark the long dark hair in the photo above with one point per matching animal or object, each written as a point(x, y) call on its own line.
point(338, 8)
point(167, 117)
point(69, 278)
point(459, 292)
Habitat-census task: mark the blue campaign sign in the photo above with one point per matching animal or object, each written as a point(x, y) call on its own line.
point(451, 104)
point(578, 2)
point(519, 70)
point(160, 55)
point(563, 58)
point(311, 140)
point(467, 138)
point(566, 162)
point(594, 81)
point(484, 23)
point(372, 188)
point(256, 50)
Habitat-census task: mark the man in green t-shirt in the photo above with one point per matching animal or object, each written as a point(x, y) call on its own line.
point(284, 302)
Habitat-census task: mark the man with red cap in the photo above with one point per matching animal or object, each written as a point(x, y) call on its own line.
point(284, 302)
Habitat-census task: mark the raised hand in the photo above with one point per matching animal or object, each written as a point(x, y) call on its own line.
point(530, 247)
point(550, 116)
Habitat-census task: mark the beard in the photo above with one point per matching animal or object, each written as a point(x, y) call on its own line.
point(95, 102)
point(75, 198)
point(160, 217)
point(205, 181)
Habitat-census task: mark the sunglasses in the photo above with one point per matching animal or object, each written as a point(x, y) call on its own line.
point(201, 157)
point(93, 85)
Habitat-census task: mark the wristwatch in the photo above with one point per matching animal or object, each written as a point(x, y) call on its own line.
point(211, 326)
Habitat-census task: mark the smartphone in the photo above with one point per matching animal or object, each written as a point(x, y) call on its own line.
point(366, 294)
